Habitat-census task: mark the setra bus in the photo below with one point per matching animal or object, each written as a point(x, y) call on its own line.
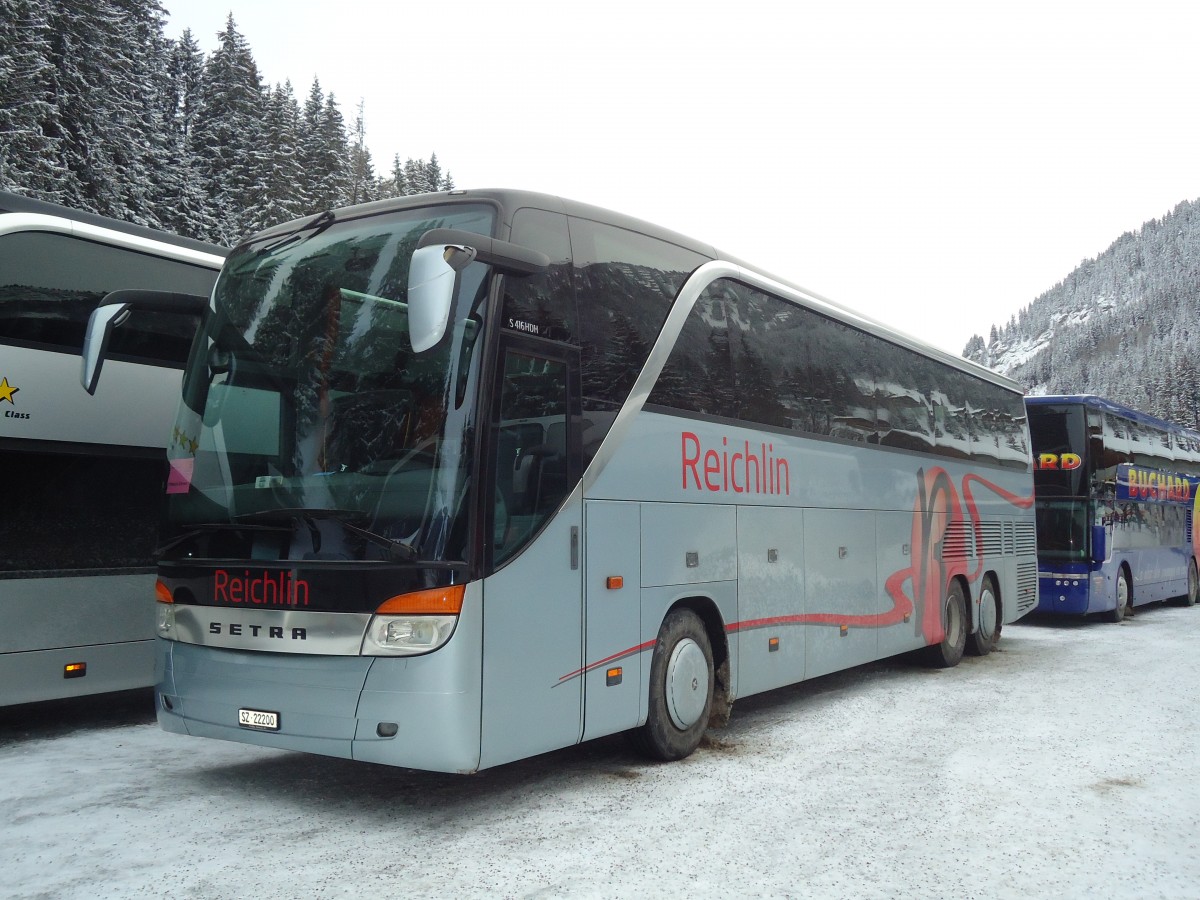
point(83, 477)
point(465, 477)
point(1115, 492)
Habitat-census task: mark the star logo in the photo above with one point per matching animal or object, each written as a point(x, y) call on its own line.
point(7, 391)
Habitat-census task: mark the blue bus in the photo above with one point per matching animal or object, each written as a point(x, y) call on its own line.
point(1116, 492)
point(466, 477)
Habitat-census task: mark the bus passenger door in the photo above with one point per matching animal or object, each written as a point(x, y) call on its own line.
point(533, 600)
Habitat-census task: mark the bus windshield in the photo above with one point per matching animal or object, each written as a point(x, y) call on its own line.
point(1062, 530)
point(309, 427)
point(1060, 446)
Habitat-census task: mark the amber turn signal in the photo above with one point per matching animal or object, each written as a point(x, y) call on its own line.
point(446, 601)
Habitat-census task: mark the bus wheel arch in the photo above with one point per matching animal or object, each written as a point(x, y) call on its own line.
point(955, 612)
point(1124, 594)
point(988, 618)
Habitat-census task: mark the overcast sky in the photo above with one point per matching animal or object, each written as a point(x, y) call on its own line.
point(936, 165)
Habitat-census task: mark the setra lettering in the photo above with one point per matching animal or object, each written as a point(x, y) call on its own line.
point(273, 632)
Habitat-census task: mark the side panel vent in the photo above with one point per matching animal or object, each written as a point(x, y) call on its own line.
point(957, 543)
point(1027, 582)
point(1026, 539)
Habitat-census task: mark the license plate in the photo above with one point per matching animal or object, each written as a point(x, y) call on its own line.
point(258, 719)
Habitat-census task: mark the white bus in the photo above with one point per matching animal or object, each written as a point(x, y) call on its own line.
point(82, 476)
point(466, 477)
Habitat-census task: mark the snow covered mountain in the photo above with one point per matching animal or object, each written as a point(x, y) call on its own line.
point(1123, 325)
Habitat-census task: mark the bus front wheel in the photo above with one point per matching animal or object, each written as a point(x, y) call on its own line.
point(1117, 613)
point(1193, 588)
point(983, 640)
point(947, 652)
point(681, 689)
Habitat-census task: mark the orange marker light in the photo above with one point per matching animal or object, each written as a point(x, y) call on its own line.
point(75, 670)
point(613, 676)
point(773, 645)
point(445, 601)
point(614, 582)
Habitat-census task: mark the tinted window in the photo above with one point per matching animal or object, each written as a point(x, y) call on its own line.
point(625, 283)
point(66, 513)
point(1056, 431)
point(543, 304)
point(50, 283)
point(904, 411)
point(750, 356)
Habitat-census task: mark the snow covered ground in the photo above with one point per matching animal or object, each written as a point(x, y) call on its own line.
point(1063, 765)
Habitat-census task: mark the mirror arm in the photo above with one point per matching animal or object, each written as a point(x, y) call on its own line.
point(158, 301)
point(510, 258)
point(102, 322)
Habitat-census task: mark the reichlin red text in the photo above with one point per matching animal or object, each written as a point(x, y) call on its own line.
point(744, 471)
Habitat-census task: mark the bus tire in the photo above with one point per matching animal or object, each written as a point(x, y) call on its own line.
point(1193, 588)
point(681, 689)
point(1124, 596)
point(947, 653)
point(986, 636)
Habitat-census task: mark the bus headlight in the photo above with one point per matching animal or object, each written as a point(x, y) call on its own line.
point(413, 623)
point(165, 620)
point(406, 635)
point(164, 611)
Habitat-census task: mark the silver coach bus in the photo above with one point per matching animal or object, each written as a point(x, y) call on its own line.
point(466, 477)
point(83, 476)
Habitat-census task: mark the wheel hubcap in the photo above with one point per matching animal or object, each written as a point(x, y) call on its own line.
point(987, 614)
point(687, 684)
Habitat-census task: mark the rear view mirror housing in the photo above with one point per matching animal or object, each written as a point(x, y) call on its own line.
point(440, 256)
point(113, 310)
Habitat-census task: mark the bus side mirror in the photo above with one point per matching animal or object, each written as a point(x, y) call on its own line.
point(1099, 543)
point(95, 342)
point(113, 310)
point(432, 275)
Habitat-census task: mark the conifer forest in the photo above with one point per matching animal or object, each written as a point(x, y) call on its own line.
point(1123, 326)
point(101, 111)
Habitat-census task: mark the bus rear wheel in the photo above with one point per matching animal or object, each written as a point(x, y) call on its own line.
point(681, 689)
point(947, 653)
point(983, 640)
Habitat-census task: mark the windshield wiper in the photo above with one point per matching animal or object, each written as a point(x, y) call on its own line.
point(397, 551)
point(207, 527)
point(317, 224)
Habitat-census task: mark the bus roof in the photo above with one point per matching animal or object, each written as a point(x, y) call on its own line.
point(508, 201)
point(16, 203)
point(1091, 401)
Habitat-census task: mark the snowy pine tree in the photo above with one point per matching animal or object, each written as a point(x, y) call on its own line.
point(29, 156)
point(280, 181)
point(100, 111)
point(1119, 325)
point(228, 137)
point(363, 186)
